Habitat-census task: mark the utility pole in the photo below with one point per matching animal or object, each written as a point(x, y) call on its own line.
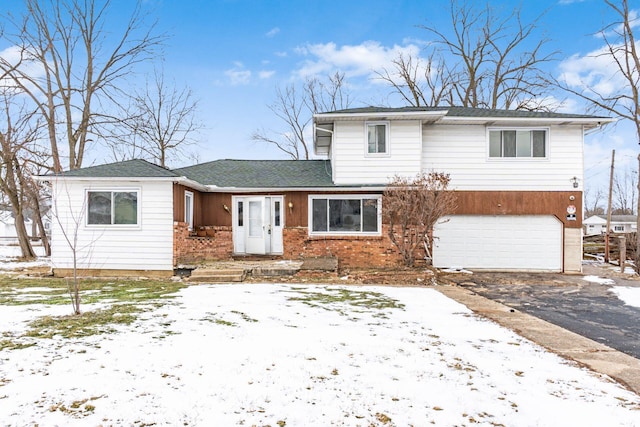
point(606, 236)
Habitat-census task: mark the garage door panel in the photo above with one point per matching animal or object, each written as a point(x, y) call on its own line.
point(499, 242)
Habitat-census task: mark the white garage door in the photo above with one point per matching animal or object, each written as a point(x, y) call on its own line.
point(499, 242)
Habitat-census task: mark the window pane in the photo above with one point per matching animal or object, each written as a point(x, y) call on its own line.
point(372, 139)
point(99, 207)
point(495, 146)
point(125, 207)
point(509, 143)
point(376, 138)
point(319, 219)
point(370, 215)
point(382, 138)
point(240, 214)
point(523, 143)
point(344, 215)
point(188, 209)
point(276, 214)
point(538, 138)
point(255, 219)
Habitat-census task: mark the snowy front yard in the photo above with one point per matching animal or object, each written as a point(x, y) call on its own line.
point(294, 355)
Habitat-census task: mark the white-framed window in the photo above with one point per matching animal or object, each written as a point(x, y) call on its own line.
point(377, 138)
point(188, 208)
point(117, 207)
point(518, 143)
point(618, 228)
point(350, 214)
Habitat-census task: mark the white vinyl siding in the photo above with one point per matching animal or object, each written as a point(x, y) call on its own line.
point(352, 165)
point(463, 151)
point(147, 246)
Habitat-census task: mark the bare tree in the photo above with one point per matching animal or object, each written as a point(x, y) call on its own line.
point(623, 98)
point(593, 200)
point(295, 107)
point(161, 123)
point(412, 206)
point(625, 192)
point(482, 61)
point(72, 68)
point(18, 132)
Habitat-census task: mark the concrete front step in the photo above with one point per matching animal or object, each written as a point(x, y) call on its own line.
point(217, 275)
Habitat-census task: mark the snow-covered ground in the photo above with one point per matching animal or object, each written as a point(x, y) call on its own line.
point(265, 354)
point(9, 255)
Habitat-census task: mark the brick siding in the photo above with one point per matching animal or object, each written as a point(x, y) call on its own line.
point(351, 251)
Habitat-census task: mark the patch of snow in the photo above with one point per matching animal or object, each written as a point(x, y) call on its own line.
point(456, 270)
point(600, 280)
point(258, 354)
point(629, 295)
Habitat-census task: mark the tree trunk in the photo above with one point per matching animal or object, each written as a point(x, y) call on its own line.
point(42, 231)
point(23, 237)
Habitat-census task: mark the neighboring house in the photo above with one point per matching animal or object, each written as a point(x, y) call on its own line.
point(518, 177)
point(8, 227)
point(597, 224)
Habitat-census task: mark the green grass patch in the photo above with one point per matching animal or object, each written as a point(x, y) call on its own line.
point(85, 324)
point(346, 301)
point(55, 291)
point(8, 344)
point(126, 298)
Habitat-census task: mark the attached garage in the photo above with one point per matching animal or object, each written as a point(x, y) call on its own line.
point(499, 242)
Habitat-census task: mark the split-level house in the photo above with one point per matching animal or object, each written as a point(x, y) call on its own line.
point(518, 178)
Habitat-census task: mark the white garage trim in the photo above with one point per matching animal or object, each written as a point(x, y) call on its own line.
point(499, 242)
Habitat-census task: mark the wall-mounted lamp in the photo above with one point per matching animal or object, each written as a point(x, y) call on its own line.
point(574, 181)
point(226, 208)
point(290, 207)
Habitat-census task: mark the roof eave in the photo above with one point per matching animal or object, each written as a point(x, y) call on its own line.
point(584, 121)
point(215, 189)
point(381, 115)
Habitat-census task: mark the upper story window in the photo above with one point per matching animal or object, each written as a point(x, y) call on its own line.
point(112, 207)
point(377, 138)
point(345, 214)
point(527, 143)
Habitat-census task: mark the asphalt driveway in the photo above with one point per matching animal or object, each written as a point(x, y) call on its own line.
point(586, 308)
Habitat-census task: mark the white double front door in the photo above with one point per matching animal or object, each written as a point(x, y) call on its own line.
point(257, 224)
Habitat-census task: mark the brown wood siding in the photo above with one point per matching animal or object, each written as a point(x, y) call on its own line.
point(178, 204)
point(212, 209)
point(521, 203)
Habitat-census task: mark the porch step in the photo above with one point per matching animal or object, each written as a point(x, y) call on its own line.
point(217, 275)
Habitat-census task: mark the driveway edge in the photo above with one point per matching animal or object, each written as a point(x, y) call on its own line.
point(595, 356)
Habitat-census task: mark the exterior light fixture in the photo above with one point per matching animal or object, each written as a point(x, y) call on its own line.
point(574, 181)
point(290, 207)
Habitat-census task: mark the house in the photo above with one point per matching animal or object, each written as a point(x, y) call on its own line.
point(518, 178)
point(8, 227)
point(597, 224)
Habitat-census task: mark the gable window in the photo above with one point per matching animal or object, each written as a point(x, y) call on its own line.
point(377, 137)
point(112, 207)
point(526, 143)
point(357, 214)
point(188, 208)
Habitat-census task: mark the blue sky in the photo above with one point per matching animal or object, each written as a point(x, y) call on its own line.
point(233, 54)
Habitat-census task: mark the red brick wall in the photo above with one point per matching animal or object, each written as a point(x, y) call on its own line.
point(188, 248)
point(351, 251)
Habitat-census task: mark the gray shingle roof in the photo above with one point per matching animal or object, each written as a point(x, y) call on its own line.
point(261, 173)
point(620, 218)
point(464, 112)
point(128, 169)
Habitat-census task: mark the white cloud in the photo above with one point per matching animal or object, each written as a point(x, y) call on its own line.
point(354, 60)
point(238, 75)
point(272, 32)
point(596, 71)
point(266, 74)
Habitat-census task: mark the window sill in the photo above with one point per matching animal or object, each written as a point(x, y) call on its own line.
point(345, 237)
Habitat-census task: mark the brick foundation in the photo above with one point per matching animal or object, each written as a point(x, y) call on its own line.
point(190, 248)
point(351, 251)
